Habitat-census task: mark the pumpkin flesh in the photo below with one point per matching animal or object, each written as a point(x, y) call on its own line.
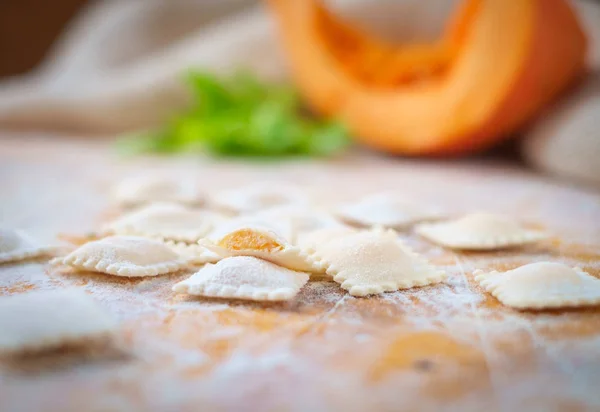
point(497, 64)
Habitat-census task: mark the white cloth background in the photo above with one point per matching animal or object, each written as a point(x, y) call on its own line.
point(117, 67)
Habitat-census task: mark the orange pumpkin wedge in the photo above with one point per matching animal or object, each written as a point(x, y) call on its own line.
point(497, 64)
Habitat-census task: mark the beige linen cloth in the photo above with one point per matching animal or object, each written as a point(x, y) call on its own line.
point(118, 66)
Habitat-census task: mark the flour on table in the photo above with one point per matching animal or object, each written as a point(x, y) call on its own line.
point(388, 210)
point(49, 319)
point(372, 262)
point(479, 231)
point(148, 188)
point(542, 285)
point(125, 256)
point(244, 277)
point(261, 242)
point(258, 196)
point(16, 245)
point(166, 221)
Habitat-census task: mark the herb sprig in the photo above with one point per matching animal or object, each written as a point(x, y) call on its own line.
point(241, 116)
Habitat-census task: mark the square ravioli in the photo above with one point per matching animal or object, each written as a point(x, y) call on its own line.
point(300, 219)
point(244, 277)
point(311, 241)
point(479, 231)
point(373, 262)
point(43, 320)
point(259, 196)
point(387, 210)
point(193, 253)
point(166, 221)
point(251, 239)
point(541, 285)
point(153, 187)
point(125, 256)
point(15, 245)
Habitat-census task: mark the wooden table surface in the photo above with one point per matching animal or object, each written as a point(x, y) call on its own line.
point(444, 347)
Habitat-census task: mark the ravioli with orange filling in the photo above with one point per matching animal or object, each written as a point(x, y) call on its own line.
point(251, 239)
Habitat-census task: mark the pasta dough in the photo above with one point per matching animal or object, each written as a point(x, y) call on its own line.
point(479, 231)
point(372, 262)
point(312, 240)
point(541, 285)
point(259, 241)
point(257, 197)
point(244, 277)
point(15, 245)
point(386, 210)
point(42, 320)
point(165, 221)
point(125, 256)
point(150, 188)
point(301, 219)
point(194, 253)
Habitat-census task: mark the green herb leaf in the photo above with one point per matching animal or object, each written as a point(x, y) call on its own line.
point(328, 139)
point(241, 116)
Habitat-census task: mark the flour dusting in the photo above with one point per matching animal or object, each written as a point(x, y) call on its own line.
point(323, 350)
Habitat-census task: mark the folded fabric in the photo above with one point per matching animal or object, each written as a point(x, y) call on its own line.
point(566, 141)
point(118, 66)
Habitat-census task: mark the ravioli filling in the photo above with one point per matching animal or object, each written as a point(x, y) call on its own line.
point(247, 239)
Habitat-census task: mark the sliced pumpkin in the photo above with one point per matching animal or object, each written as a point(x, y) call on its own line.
point(497, 64)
